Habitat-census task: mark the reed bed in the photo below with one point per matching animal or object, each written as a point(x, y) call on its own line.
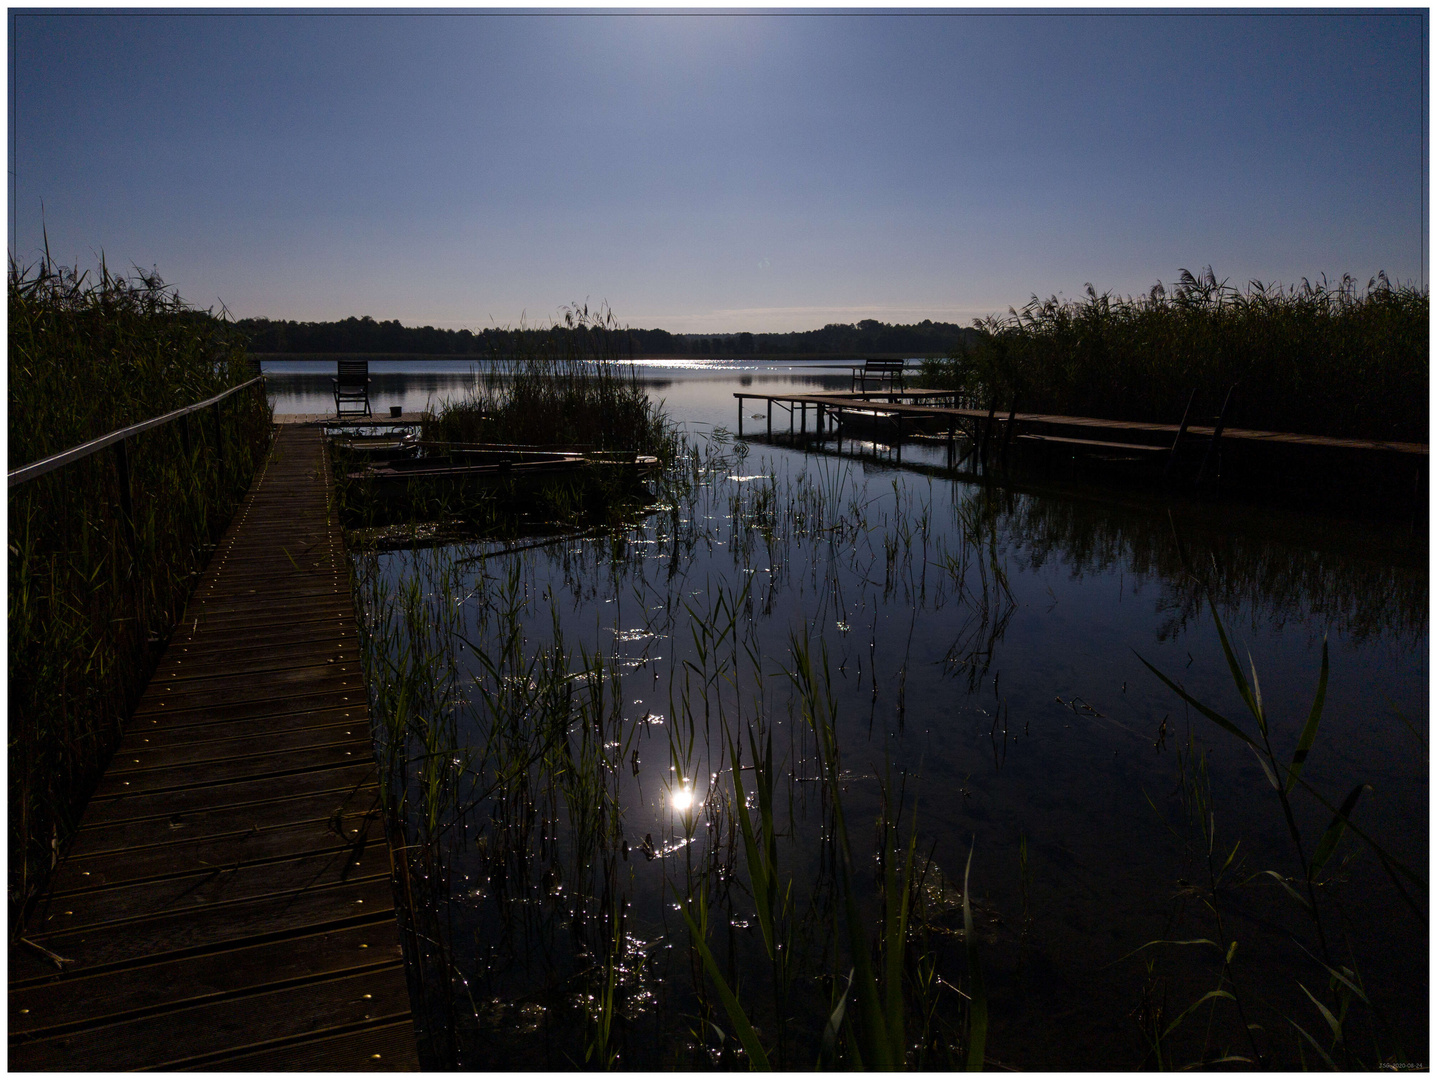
point(1318, 358)
point(92, 601)
point(568, 386)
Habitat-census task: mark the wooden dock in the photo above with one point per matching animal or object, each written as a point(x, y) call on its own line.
point(831, 405)
point(227, 902)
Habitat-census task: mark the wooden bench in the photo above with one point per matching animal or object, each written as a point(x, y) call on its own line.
point(351, 386)
point(888, 374)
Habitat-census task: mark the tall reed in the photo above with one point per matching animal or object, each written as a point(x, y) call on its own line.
point(92, 601)
point(570, 386)
point(1319, 358)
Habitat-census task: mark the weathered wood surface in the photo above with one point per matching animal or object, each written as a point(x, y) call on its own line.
point(839, 400)
point(227, 903)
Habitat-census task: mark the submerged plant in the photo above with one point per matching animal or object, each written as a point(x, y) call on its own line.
point(1343, 986)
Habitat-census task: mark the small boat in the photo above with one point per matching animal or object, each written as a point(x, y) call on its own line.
point(477, 463)
point(382, 446)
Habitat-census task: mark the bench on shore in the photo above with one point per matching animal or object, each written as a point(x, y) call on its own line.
point(351, 386)
point(888, 374)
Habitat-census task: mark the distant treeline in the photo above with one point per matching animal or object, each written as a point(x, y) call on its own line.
point(367, 335)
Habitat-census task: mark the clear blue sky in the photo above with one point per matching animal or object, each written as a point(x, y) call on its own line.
point(715, 173)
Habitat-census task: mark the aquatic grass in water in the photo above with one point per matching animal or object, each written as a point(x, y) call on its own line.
point(1343, 989)
point(593, 918)
point(570, 387)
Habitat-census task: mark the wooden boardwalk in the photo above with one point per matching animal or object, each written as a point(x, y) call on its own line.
point(227, 903)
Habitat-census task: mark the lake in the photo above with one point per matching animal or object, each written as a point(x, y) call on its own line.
point(975, 651)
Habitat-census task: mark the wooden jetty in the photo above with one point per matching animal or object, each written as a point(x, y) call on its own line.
point(227, 903)
point(829, 406)
point(1368, 475)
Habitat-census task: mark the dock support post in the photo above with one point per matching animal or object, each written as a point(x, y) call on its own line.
point(1182, 430)
point(803, 418)
point(987, 427)
point(1008, 430)
point(770, 418)
point(1212, 447)
point(740, 414)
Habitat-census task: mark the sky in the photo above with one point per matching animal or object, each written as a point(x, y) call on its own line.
point(714, 173)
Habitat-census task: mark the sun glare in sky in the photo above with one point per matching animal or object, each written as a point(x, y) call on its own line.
point(715, 173)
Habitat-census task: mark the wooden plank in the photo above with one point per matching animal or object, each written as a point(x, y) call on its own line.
point(106, 807)
point(205, 693)
point(219, 925)
point(259, 705)
point(138, 862)
point(305, 1010)
point(376, 1048)
point(161, 736)
point(181, 776)
point(254, 817)
point(298, 647)
point(197, 685)
point(64, 1003)
point(149, 756)
point(1094, 443)
point(190, 887)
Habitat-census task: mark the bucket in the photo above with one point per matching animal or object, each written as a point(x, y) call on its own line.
point(395, 410)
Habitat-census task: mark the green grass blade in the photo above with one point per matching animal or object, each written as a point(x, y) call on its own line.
point(1406, 871)
point(1326, 1014)
point(1309, 732)
point(1325, 1056)
point(828, 1048)
point(1211, 995)
point(978, 1006)
point(1164, 941)
point(757, 1058)
point(1217, 718)
point(757, 871)
point(1328, 843)
point(1302, 900)
point(1238, 679)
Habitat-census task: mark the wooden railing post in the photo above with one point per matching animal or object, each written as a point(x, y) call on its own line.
point(1182, 430)
point(1212, 448)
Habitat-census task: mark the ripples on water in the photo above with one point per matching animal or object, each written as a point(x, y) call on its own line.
point(983, 652)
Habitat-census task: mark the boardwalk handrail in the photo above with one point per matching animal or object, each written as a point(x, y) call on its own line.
point(76, 453)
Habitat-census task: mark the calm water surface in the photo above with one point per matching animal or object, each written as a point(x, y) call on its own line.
point(983, 649)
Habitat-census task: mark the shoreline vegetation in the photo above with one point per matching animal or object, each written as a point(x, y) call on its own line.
point(568, 388)
point(1315, 359)
point(92, 602)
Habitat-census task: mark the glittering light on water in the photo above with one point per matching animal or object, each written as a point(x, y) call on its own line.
point(682, 799)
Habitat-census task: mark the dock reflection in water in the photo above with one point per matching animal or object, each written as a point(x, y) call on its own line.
point(982, 650)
